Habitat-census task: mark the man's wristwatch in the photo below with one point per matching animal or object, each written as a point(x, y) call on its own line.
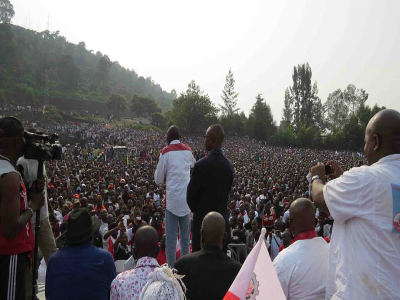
point(28, 208)
point(316, 177)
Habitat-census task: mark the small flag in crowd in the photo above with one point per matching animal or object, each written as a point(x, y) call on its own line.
point(107, 126)
point(257, 278)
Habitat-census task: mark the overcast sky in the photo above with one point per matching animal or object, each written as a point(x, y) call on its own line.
point(174, 42)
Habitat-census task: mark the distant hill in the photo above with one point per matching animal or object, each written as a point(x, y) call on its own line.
point(37, 66)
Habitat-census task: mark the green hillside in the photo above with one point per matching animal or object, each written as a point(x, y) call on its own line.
point(35, 66)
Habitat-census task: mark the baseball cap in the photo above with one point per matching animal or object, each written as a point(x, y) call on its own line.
point(10, 126)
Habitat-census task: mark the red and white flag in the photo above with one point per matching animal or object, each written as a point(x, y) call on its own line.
point(257, 278)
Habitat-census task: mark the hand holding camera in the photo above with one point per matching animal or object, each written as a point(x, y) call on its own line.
point(37, 196)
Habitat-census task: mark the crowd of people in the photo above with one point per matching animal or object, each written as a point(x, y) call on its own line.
point(109, 191)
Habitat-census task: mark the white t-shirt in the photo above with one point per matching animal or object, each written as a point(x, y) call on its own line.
point(275, 243)
point(30, 175)
point(302, 269)
point(364, 261)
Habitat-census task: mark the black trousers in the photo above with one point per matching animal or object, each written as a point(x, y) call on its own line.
point(13, 270)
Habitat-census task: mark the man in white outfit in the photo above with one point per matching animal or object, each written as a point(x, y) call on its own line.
point(174, 166)
point(302, 268)
point(364, 260)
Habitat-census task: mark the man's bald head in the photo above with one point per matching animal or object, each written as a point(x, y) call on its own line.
point(382, 135)
point(213, 230)
point(214, 137)
point(146, 242)
point(302, 216)
point(173, 133)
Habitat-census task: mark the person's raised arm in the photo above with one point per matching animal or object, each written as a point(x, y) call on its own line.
point(12, 220)
point(317, 187)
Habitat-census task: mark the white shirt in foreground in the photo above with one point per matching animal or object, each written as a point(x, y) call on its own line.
point(302, 269)
point(364, 261)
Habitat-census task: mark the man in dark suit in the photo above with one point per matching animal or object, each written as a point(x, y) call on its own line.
point(211, 182)
point(209, 273)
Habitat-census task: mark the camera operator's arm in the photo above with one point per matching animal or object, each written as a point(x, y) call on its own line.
point(12, 220)
point(317, 187)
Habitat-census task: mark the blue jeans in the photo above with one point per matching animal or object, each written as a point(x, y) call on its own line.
point(171, 231)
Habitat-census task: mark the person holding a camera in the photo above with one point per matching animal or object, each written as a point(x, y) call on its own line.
point(364, 260)
point(28, 169)
point(16, 234)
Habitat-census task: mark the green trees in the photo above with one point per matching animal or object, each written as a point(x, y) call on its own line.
point(261, 125)
point(300, 97)
point(117, 103)
point(68, 73)
point(229, 96)
point(143, 107)
point(6, 11)
point(51, 66)
point(193, 110)
point(157, 119)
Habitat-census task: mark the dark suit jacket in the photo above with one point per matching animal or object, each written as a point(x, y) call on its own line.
point(208, 190)
point(209, 273)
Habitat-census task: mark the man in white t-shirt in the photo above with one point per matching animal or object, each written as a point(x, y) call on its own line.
point(174, 166)
point(302, 267)
point(364, 261)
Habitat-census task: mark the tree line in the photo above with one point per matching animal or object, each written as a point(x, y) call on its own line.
point(338, 123)
point(37, 65)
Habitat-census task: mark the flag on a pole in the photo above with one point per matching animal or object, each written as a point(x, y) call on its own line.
point(257, 278)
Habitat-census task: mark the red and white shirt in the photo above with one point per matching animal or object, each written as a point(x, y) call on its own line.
point(24, 241)
point(129, 284)
point(174, 166)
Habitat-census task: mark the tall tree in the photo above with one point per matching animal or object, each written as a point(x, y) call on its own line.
point(6, 11)
point(354, 98)
point(302, 95)
point(229, 96)
point(193, 110)
point(337, 110)
point(287, 110)
point(261, 124)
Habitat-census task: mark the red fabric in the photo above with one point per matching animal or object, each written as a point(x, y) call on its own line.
point(161, 257)
point(268, 221)
point(102, 207)
point(327, 239)
point(281, 248)
point(111, 247)
point(175, 147)
point(230, 296)
point(24, 241)
point(306, 235)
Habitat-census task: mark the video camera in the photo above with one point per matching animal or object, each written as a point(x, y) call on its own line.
point(41, 146)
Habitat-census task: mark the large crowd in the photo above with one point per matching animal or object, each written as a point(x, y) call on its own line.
point(110, 170)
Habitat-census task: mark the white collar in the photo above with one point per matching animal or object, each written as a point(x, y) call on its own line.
point(175, 142)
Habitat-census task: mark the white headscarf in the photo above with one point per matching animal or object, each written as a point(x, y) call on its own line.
point(163, 283)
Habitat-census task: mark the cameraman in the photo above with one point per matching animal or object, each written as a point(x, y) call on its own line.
point(47, 245)
point(364, 202)
point(16, 235)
